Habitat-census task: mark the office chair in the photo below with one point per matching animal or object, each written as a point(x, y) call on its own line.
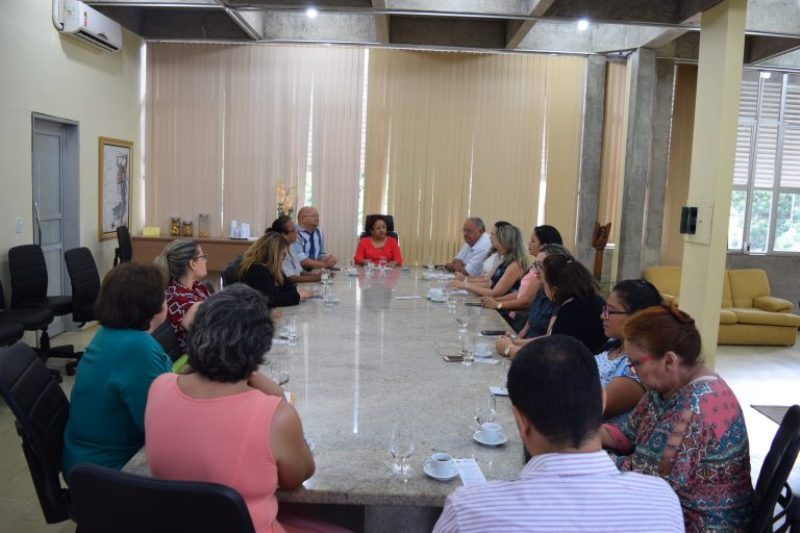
point(123, 253)
point(772, 490)
point(29, 290)
point(29, 319)
point(389, 225)
point(85, 279)
point(41, 410)
point(10, 331)
point(108, 500)
point(166, 337)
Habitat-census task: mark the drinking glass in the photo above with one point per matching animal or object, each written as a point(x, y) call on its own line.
point(382, 264)
point(290, 328)
point(451, 300)
point(328, 295)
point(467, 349)
point(430, 265)
point(462, 318)
point(401, 447)
point(325, 276)
point(505, 364)
point(280, 370)
point(485, 409)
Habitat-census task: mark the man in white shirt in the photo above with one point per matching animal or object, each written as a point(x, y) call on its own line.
point(469, 260)
point(309, 248)
point(570, 483)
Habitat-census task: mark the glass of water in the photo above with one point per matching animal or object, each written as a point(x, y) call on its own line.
point(325, 276)
point(401, 447)
point(467, 349)
point(485, 409)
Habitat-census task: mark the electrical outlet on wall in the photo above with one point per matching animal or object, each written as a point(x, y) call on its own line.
point(18, 225)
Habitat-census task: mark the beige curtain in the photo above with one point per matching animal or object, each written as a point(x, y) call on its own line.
point(451, 135)
point(565, 87)
point(680, 157)
point(227, 124)
point(612, 162)
point(184, 141)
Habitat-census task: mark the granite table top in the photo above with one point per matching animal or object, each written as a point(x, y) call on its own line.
point(371, 360)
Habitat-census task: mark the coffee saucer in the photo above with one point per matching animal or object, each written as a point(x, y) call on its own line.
point(480, 438)
point(437, 300)
point(426, 467)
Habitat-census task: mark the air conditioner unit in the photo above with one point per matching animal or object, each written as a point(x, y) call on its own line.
point(78, 19)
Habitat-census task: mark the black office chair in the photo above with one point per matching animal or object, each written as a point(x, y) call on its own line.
point(772, 490)
point(29, 290)
point(108, 500)
point(85, 280)
point(10, 331)
point(230, 275)
point(31, 319)
point(166, 337)
point(123, 253)
point(41, 410)
point(389, 225)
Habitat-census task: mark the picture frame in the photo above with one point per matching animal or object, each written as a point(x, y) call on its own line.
point(115, 165)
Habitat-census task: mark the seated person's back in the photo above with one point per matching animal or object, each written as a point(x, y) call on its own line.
point(226, 422)
point(570, 484)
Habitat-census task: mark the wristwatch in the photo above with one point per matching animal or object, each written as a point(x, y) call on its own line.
point(499, 306)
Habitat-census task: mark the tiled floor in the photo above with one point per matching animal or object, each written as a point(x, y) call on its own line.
point(758, 375)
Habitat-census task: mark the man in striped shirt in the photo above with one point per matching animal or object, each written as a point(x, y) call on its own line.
point(570, 484)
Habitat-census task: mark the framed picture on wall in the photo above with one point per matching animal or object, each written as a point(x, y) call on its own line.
point(114, 200)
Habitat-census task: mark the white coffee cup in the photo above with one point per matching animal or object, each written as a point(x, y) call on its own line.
point(481, 349)
point(436, 293)
point(441, 464)
point(492, 431)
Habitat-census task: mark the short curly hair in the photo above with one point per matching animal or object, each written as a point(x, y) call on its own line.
point(231, 334)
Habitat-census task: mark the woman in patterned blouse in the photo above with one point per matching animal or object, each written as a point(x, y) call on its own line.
point(689, 427)
point(186, 265)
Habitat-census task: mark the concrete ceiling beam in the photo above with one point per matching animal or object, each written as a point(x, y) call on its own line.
point(381, 22)
point(516, 30)
point(326, 27)
point(758, 49)
point(448, 32)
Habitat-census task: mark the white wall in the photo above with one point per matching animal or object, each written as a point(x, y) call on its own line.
point(42, 71)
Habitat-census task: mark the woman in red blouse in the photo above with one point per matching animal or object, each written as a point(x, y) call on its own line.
point(378, 245)
point(186, 264)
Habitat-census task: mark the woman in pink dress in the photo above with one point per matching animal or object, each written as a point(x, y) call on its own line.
point(378, 245)
point(226, 422)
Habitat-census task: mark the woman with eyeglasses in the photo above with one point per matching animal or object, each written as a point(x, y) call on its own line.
point(689, 428)
point(186, 265)
point(507, 240)
point(622, 385)
point(510, 305)
point(261, 269)
point(574, 292)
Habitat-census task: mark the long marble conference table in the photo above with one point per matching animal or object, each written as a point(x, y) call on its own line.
point(369, 361)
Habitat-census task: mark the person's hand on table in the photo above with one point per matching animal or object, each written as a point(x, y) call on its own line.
point(502, 343)
point(456, 284)
point(276, 314)
point(329, 260)
point(489, 302)
point(305, 294)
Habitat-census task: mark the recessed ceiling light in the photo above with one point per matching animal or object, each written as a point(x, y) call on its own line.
point(311, 13)
point(583, 24)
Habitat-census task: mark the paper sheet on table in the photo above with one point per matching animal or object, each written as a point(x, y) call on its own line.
point(410, 297)
point(498, 391)
point(469, 471)
point(486, 360)
point(278, 340)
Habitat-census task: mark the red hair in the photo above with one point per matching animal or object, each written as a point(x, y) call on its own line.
point(662, 329)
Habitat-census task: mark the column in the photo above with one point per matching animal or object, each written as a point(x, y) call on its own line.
point(719, 79)
point(591, 152)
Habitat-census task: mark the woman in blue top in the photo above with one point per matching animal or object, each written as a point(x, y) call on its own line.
point(622, 385)
point(106, 414)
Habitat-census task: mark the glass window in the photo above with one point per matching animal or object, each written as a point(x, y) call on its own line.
point(736, 221)
point(759, 221)
point(765, 203)
point(787, 223)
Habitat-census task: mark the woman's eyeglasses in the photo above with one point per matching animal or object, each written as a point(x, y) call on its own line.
point(537, 266)
point(606, 313)
point(201, 256)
